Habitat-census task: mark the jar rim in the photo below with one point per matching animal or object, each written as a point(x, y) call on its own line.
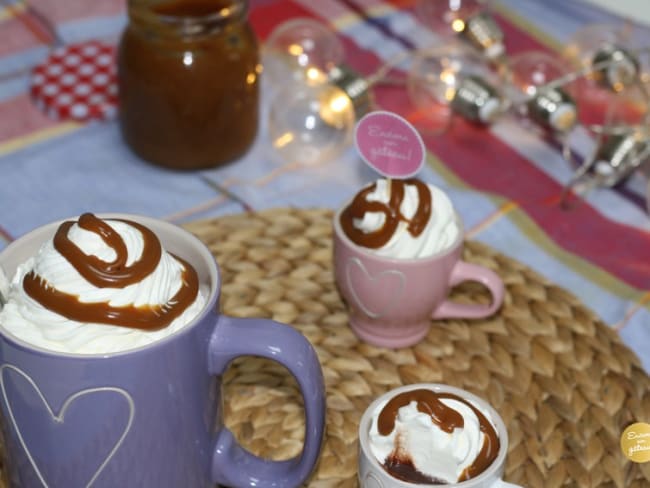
point(235, 9)
point(187, 25)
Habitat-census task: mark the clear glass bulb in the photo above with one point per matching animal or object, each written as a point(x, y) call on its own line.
point(618, 154)
point(607, 53)
point(300, 49)
point(613, 99)
point(469, 20)
point(310, 123)
point(455, 78)
point(531, 75)
point(614, 68)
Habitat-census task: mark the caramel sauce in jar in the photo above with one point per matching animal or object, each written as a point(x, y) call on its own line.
point(188, 75)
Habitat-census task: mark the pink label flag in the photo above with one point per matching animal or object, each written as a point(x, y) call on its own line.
point(390, 144)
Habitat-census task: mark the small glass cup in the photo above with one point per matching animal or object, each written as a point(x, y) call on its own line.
point(373, 475)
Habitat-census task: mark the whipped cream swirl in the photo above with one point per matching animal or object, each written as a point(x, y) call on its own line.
point(424, 437)
point(137, 301)
point(401, 219)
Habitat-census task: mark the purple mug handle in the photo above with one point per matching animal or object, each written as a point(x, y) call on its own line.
point(232, 465)
point(463, 271)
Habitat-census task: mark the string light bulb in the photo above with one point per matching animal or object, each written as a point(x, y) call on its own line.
point(614, 158)
point(453, 78)
point(314, 100)
point(607, 55)
point(301, 50)
point(469, 20)
point(311, 123)
point(542, 92)
point(620, 147)
point(620, 154)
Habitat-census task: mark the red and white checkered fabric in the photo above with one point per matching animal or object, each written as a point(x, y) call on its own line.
point(77, 82)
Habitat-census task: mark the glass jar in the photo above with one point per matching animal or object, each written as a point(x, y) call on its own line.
point(188, 75)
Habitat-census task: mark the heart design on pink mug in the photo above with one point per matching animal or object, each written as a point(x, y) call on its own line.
point(59, 417)
point(376, 295)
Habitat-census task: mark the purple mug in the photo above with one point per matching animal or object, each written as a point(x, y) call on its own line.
point(392, 301)
point(150, 416)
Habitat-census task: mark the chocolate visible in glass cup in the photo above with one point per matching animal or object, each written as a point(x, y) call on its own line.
point(397, 254)
point(137, 404)
point(431, 434)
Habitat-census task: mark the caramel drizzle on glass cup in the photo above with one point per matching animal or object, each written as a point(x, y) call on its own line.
point(447, 419)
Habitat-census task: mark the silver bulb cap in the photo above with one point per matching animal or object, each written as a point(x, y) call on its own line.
point(476, 100)
point(617, 67)
point(355, 86)
point(482, 32)
point(553, 109)
point(619, 155)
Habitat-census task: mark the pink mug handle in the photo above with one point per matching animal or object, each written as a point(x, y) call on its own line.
point(463, 271)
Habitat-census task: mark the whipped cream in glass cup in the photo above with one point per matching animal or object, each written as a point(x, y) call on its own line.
point(373, 474)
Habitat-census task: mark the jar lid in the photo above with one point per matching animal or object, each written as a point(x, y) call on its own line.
point(77, 82)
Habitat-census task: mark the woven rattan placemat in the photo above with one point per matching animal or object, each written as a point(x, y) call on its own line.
point(562, 380)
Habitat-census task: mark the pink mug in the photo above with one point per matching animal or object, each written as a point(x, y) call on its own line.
point(392, 301)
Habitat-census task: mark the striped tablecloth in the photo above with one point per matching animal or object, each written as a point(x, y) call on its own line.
point(505, 180)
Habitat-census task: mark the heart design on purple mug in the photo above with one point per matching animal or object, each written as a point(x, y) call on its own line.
point(384, 288)
point(59, 417)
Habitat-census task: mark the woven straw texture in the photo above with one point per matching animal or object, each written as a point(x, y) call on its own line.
point(562, 380)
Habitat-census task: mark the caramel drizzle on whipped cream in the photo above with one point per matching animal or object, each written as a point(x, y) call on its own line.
point(447, 419)
point(378, 238)
point(114, 274)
